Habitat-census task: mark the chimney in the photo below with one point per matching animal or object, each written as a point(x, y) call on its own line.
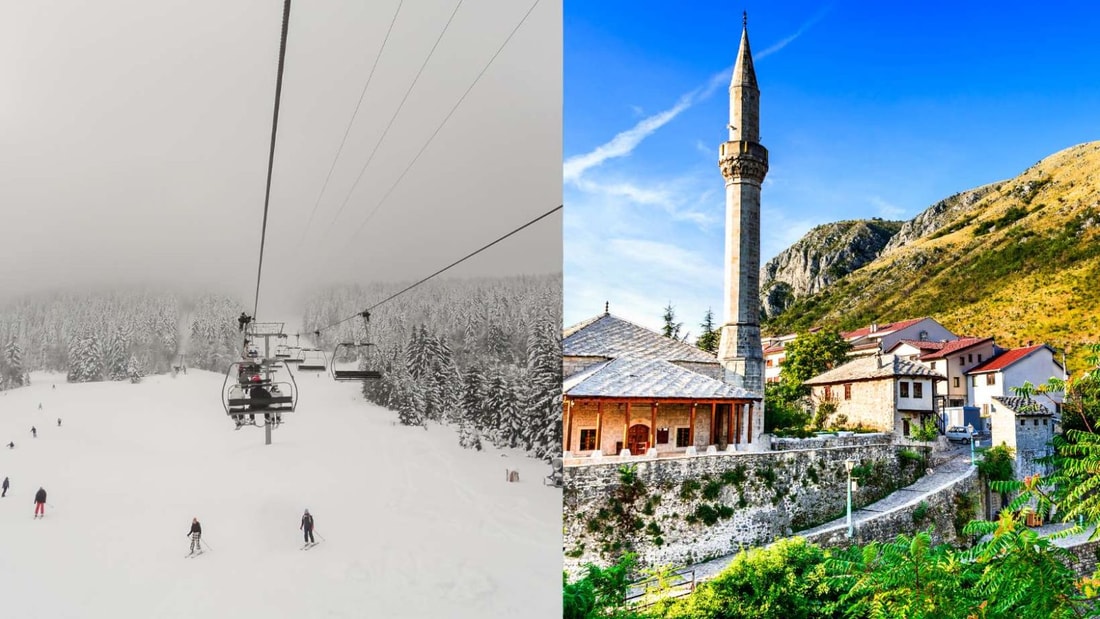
point(1030, 342)
point(878, 359)
point(874, 327)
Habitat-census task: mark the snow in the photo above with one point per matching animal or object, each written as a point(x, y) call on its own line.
point(415, 526)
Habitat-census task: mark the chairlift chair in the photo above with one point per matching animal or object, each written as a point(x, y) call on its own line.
point(313, 360)
point(251, 387)
point(353, 360)
point(294, 355)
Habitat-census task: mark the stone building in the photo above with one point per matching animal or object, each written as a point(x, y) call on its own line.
point(1027, 427)
point(883, 392)
point(627, 387)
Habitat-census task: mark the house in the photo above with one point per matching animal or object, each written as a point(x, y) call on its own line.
point(884, 392)
point(877, 338)
point(872, 339)
point(953, 360)
point(1027, 427)
point(627, 387)
point(1012, 368)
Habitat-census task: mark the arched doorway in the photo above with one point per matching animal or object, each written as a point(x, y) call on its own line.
point(637, 439)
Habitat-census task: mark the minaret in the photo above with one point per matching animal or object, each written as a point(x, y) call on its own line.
point(743, 162)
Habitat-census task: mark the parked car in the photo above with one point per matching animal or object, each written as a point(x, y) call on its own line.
point(958, 434)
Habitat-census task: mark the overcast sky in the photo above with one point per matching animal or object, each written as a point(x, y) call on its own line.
point(134, 139)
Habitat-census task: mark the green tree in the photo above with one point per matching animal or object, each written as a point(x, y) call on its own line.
point(907, 577)
point(997, 465)
point(710, 337)
point(671, 328)
point(811, 354)
point(599, 593)
point(786, 580)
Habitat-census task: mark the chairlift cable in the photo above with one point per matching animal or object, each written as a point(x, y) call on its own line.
point(271, 154)
point(424, 147)
point(354, 114)
point(449, 266)
point(400, 106)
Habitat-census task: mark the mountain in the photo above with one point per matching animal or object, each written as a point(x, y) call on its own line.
point(1018, 260)
point(821, 257)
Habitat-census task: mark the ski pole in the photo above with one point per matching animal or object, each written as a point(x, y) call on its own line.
point(203, 542)
point(319, 535)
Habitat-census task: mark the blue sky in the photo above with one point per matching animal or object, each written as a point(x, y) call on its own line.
point(867, 109)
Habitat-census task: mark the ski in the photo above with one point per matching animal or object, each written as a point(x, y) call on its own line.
point(309, 545)
point(193, 554)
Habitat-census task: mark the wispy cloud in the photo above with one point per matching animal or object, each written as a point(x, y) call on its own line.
point(625, 142)
point(887, 210)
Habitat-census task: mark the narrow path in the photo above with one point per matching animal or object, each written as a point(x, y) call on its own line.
point(947, 474)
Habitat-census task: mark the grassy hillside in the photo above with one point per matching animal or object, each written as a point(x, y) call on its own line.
point(1021, 263)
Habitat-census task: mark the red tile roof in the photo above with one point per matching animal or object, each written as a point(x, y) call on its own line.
point(882, 328)
point(954, 346)
point(1006, 359)
point(773, 348)
point(920, 344)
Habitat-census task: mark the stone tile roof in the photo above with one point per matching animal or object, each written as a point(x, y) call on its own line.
point(871, 368)
point(610, 336)
point(1024, 407)
point(926, 346)
point(632, 377)
point(954, 346)
point(1007, 358)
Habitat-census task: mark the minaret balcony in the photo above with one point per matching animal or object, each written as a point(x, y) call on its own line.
point(740, 148)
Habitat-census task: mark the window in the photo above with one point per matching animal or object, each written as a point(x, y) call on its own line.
point(962, 360)
point(768, 363)
point(918, 390)
point(923, 336)
point(979, 357)
point(588, 440)
point(1036, 423)
point(662, 436)
point(969, 358)
point(933, 365)
point(991, 378)
point(847, 391)
point(683, 435)
point(1021, 422)
point(828, 392)
point(904, 389)
point(974, 380)
point(956, 381)
point(1044, 422)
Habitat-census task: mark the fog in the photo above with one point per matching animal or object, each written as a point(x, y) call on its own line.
point(134, 140)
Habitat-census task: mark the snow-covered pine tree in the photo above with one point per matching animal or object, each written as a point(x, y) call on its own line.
point(133, 370)
point(13, 373)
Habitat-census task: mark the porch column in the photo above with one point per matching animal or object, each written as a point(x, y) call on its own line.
point(599, 425)
point(691, 426)
point(729, 424)
point(568, 424)
point(713, 438)
point(653, 426)
point(626, 429)
point(749, 429)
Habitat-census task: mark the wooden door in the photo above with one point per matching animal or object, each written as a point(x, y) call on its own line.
point(637, 439)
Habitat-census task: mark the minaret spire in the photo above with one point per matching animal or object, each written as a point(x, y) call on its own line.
point(744, 163)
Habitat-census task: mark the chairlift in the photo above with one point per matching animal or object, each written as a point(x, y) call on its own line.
point(354, 360)
point(251, 387)
point(312, 360)
point(294, 355)
point(282, 351)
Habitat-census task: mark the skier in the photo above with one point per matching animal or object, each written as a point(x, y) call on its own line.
point(196, 534)
point(59, 422)
point(11, 445)
point(40, 503)
point(5, 487)
point(34, 432)
point(307, 527)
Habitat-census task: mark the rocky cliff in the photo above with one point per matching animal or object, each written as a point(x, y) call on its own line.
point(821, 257)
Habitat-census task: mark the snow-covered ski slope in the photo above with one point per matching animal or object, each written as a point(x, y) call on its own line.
point(415, 526)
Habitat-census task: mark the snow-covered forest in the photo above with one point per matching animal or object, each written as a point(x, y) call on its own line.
point(115, 336)
point(483, 355)
point(480, 354)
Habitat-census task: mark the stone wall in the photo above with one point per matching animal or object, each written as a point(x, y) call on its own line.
point(1087, 557)
point(939, 511)
point(693, 508)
